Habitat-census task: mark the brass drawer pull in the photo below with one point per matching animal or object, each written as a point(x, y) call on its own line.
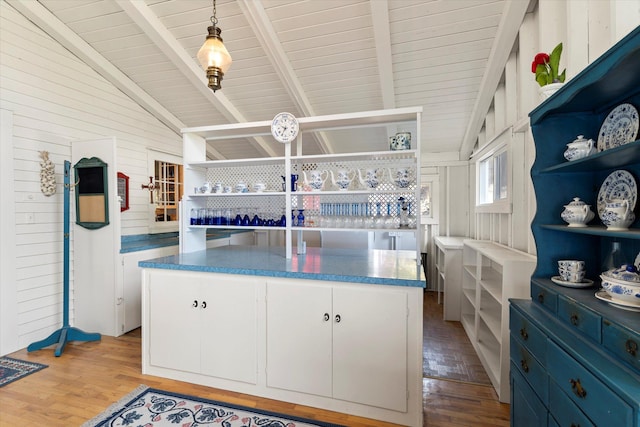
point(577, 388)
point(524, 365)
point(524, 334)
point(631, 347)
point(574, 319)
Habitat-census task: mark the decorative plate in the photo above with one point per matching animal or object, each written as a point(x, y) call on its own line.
point(585, 283)
point(619, 184)
point(619, 128)
point(602, 295)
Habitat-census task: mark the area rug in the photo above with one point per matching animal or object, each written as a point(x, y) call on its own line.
point(14, 369)
point(149, 407)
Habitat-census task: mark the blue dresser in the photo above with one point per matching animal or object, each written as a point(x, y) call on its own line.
point(575, 360)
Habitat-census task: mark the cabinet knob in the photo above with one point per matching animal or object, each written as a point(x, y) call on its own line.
point(577, 389)
point(524, 334)
point(195, 303)
point(338, 318)
point(631, 347)
point(541, 298)
point(574, 319)
point(575, 425)
point(204, 304)
point(326, 317)
point(524, 365)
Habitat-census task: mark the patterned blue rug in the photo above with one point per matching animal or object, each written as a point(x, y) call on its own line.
point(14, 369)
point(149, 407)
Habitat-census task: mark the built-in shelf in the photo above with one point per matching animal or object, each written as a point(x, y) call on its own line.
point(492, 274)
point(279, 176)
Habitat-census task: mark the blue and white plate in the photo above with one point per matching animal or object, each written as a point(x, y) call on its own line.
point(602, 295)
point(619, 184)
point(619, 128)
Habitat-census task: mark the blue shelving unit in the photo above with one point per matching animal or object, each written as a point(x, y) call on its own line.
point(575, 360)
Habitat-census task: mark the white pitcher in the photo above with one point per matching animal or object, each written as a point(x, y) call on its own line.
point(316, 179)
point(371, 178)
point(401, 177)
point(342, 179)
point(617, 214)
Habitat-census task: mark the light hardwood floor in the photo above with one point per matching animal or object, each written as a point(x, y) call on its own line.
point(89, 376)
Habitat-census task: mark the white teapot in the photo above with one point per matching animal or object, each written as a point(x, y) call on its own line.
point(371, 178)
point(579, 148)
point(342, 179)
point(577, 213)
point(316, 179)
point(401, 177)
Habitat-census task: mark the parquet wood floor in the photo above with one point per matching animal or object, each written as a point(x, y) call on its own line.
point(89, 376)
point(447, 351)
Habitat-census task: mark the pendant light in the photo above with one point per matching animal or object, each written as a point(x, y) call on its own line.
point(213, 56)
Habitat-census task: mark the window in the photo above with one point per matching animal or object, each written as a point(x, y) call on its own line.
point(168, 191)
point(166, 177)
point(493, 182)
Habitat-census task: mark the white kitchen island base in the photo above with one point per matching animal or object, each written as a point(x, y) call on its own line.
point(287, 331)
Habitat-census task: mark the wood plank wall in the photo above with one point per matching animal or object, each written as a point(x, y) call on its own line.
point(587, 28)
point(53, 98)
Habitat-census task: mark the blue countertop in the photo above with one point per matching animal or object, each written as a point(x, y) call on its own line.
point(143, 242)
point(379, 267)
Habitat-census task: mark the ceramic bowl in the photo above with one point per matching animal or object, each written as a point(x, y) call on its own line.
point(626, 274)
point(628, 292)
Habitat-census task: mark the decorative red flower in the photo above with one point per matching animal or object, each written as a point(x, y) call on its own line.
point(540, 59)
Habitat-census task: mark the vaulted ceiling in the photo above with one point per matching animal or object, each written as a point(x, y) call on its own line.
point(308, 57)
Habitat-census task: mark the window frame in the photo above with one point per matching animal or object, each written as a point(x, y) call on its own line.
point(492, 152)
point(165, 226)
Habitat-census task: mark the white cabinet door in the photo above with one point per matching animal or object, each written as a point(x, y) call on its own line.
point(174, 317)
point(299, 337)
point(370, 346)
point(229, 322)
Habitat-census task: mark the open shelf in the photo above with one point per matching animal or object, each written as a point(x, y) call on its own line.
point(504, 273)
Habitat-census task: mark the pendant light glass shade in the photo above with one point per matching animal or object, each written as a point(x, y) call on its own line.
point(214, 56)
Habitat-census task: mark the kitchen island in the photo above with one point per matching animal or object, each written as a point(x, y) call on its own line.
point(337, 329)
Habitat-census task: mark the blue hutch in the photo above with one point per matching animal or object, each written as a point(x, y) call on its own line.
point(575, 360)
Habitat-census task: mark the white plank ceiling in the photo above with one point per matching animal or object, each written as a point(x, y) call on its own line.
point(308, 57)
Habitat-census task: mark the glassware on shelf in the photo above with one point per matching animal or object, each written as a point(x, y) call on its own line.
point(369, 221)
point(389, 221)
point(379, 220)
point(615, 257)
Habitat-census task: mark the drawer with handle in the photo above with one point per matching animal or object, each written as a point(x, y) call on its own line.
point(594, 398)
point(579, 317)
point(545, 297)
point(623, 343)
point(528, 334)
point(563, 411)
point(530, 369)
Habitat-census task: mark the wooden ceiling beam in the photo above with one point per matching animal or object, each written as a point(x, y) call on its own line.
point(255, 14)
point(510, 22)
point(149, 23)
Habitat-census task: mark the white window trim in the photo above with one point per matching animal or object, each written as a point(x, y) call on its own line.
point(152, 156)
point(500, 144)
